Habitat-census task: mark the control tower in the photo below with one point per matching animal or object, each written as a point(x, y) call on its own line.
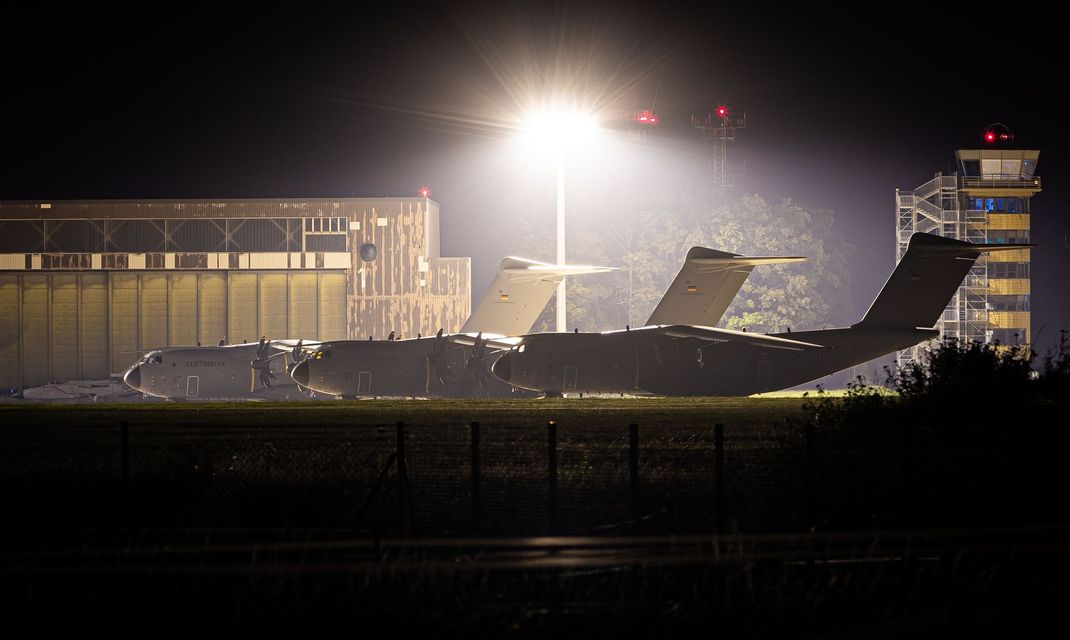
point(988, 200)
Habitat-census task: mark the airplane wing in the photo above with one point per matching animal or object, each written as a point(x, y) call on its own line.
point(706, 285)
point(518, 294)
point(310, 345)
point(493, 341)
point(712, 334)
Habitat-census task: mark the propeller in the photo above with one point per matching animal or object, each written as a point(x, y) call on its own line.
point(263, 362)
point(435, 360)
point(477, 364)
point(298, 355)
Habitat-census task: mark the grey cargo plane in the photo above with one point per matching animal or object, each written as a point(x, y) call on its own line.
point(454, 365)
point(687, 359)
point(225, 372)
point(459, 365)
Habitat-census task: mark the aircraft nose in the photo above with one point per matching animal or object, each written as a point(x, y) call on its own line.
point(133, 377)
point(300, 374)
point(503, 367)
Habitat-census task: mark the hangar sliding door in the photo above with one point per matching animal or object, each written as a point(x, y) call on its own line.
point(332, 306)
point(124, 320)
point(64, 319)
point(35, 347)
point(241, 296)
point(9, 331)
point(304, 292)
point(213, 309)
point(154, 311)
point(93, 338)
point(272, 305)
point(183, 315)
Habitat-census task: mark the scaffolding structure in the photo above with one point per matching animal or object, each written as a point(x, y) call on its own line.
point(719, 129)
point(935, 207)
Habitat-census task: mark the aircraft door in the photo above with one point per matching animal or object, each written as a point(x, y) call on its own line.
point(193, 386)
point(364, 383)
point(570, 378)
point(765, 374)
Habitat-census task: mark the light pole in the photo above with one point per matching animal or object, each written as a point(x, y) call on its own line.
point(562, 323)
point(558, 131)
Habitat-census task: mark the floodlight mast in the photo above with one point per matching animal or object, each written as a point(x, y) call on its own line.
point(559, 130)
point(562, 323)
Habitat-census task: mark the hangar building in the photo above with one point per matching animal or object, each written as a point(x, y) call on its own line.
point(85, 285)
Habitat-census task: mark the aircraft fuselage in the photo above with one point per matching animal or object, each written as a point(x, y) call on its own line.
point(648, 361)
point(209, 372)
point(415, 367)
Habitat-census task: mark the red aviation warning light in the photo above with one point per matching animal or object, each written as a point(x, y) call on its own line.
point(722, 111)
point(997, 132)
point(646, 116)
point(424, 192)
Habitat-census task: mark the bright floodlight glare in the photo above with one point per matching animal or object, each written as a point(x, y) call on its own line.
point(557, 129)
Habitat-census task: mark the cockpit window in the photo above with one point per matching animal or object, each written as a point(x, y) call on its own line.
point(157, 359)
point(522, 348)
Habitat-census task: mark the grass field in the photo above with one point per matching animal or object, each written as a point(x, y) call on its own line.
point(602, 410)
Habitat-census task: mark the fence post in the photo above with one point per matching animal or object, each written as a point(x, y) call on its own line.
point(475, 475)
point(633, 471)
point(551, 454)
point(402, 478)
point(124, 467)
point(904, 475)
point(811, 476)
point(718, 477)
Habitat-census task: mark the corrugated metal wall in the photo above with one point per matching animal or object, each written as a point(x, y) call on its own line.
point(164, 235)
point(65, 326)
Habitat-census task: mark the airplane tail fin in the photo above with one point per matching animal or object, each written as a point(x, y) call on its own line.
point(518, 295)
point(925, 280)
point(706, 285)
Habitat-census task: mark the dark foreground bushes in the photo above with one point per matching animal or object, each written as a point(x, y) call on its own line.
point(957, 383)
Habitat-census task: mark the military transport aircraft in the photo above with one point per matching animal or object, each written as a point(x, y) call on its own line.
point(443, 365)
point(253, 370)
point(262, 370)
point(687, 359)
point(459, 365)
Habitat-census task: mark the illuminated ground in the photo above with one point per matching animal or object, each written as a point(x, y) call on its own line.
point(735, 410)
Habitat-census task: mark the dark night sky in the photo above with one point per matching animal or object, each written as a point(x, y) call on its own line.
point(842, 107)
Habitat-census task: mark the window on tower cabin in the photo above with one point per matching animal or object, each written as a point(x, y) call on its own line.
point(990, 168)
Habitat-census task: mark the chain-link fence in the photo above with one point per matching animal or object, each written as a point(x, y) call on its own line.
point(501, 478)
